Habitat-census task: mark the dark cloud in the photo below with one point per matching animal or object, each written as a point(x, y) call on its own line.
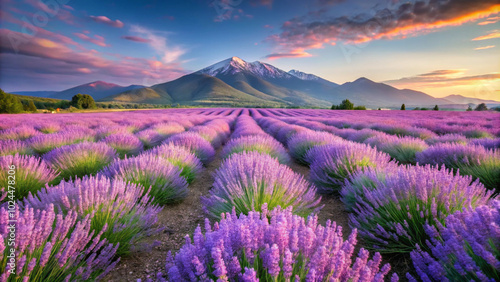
point(137, 39)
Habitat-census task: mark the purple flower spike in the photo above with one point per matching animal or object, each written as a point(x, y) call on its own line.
point(12, 147)
point(257, 143)
point(301, 142)
point(124, 144)
point(254, 240)
point(247, 181)
point(195, 143)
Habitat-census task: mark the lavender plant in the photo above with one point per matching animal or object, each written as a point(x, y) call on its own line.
point(447, 138)
point(403, 149)
point(392, 217)
point(150, 138)
point(119, 205)
point(167, 185)
point(257, 143)
point(29, 174)
point(252, 248)
point(42, 144)
point(12, 147)
point(48, 127)
point(80, 159)
point(50, 246)
point(465, 248)
point(124, 144)
point(333, 164)
point(472, 160)
point(195, 143)
point(486, 143)
point(187, 162)
point(21, 132)
point(249, 180)
point(301, 142)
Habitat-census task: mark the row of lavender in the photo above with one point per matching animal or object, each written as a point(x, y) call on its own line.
point(100, 203)
point(262, 233)
point(429, 212)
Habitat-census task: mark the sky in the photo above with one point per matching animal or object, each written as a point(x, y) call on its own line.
point(440, 47)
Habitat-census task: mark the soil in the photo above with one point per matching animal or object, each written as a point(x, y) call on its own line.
point(182, 219)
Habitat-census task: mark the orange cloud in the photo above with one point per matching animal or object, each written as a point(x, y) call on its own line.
point(491, 35)
point(293, 54)
point(484, 47)
point(490, 20)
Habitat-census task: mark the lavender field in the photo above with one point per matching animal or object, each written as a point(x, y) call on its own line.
point(250, 195)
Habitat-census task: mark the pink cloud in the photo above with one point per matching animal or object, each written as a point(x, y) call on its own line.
point(97, 40)
point(108, 21)
point(136, 39)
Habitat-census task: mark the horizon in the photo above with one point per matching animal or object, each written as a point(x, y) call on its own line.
point(437, 48)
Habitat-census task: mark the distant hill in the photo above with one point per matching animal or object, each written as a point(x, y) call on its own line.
point(43, 94)
point(235, 82)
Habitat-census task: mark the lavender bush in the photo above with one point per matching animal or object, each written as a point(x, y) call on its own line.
point(21, 132)
point(403, 149)
point(44, 143)
point(448, 138)
point(48, 127)
point(257, 143)
point(150, 138)
point(189, 165)
point(51, 246)
point(301, 142)
point(12, 147)
point(195, 143)
point(249, 180)
point(80, 159)
point(167, 185)
point(120, 206)
point(168, 128)
point(466, 249)
point(333, 164)
point(124, 144)
point(392, 217)
point(486, 142)
point(472, 160)
point(252, 248)
point(29, 174)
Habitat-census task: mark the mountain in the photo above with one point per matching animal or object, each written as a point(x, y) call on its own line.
point(97, 89)
point(235, 82)
point(367, 92)
point(459, 99)
point(41, 94)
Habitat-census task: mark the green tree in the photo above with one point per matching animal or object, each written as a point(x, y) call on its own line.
point(417, 109)
point(403, 107)
point(469, 109)
point(334, 107)
point(481, 107)
point(83, 101)
point(31, 107)
point(9, 103)
point(424, 109)
point(436, 108)
point(379, 109)
point(360, 108)
point(346, 105)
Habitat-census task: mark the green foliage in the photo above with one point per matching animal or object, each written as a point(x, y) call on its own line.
point(424, 109)
point(83, 101)
point(362, 108)
point(481, 107)
point(9, 104)
point(417, 109)
point(436, 108)
point(403, 107)
point(31, 107)
point(379, 109)
point(345, 105)
point(469, 109)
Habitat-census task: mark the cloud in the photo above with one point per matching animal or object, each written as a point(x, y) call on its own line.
point(43, 63)
point(491, 35)
point(97, 40)
point(268, 3)
point(484, 47)
point(108, 21)
point(490, 20)
point(167, 53)
point(402, 20)
point(136, 39)
point(296, 54)
point(441, 78)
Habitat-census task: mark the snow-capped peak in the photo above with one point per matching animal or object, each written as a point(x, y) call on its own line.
point(235, 65)
point(303, 75)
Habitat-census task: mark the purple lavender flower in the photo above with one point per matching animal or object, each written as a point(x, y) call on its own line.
point(472, 160)
point(249, 180)
point(59, 242)
point(102, 131)
point(44, 143)
point(245, 126)
point(209, 134)
point(80, 159)
point(168, 128)
point(263, 246)
point(447, 138)
point(486, 143)
point(124, 144)
point(465, 248)
point(257, 143)
point(167, 185)
point(332, 164)
point(21, 132)
point(195, 143)
point(29, 174)
point(120, 206)
point(181, 157)
point(402, 149)
point(150, 138)
point(12, 147)
point(301, 142)
point(48, 127)
point(392, 216)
